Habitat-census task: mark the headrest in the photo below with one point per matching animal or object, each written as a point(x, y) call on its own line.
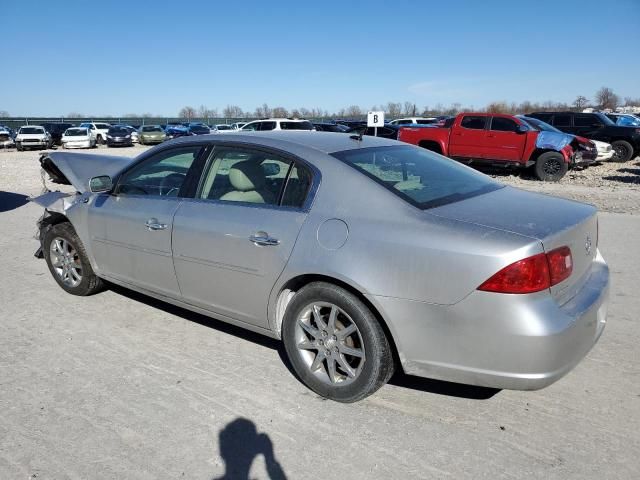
point(246, 176)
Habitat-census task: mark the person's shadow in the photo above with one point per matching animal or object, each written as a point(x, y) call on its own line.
point(240, 443)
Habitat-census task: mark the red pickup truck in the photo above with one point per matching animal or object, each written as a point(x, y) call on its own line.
point(504, 140)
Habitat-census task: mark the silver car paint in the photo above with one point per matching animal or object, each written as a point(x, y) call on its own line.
point(418, 269)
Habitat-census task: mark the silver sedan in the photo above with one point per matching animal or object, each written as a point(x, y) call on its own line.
point(362, 254)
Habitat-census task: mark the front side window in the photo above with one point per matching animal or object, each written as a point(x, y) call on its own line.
point(586, 121)
point(161, 175)
point(420, 177)
point(252, 176)
point(502, 124)
point(251, 126)
point(473, 122)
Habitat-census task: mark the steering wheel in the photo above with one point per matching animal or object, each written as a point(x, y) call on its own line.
point(172, 184)
point(133, 190)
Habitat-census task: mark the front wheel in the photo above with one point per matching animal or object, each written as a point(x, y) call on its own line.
point(550, 167)
point(623, 151)
point(99, 140)
point(68, 262)
point(335, 344)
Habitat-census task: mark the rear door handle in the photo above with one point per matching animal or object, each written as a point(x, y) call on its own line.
point(263, 238)
point(152, 224)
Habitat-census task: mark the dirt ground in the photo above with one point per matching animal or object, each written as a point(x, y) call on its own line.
point(118, 385)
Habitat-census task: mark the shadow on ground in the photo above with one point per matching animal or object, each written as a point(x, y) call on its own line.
point(240, 443)
point(399, 379)
point(11, 201)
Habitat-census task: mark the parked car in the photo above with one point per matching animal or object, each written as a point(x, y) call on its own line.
point(414, 121)
point(149, 134)
point(33, 136)
point(624, 119)
point(98, 130)
point(596, 126)
point(198, 129)
point(277, 124)
point(586, 151)
point(388, 131)
point(119, 137)
point(133, 131)
point(56, 130)
point(6, 138)
point(501, 140)
point(176, 131)
point(78, 137)
point(330, 127)
point(433, 267)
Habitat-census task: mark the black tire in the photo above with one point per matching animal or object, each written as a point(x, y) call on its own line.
point(89, 283)
point(19, 147)
point(99, 140)
point(141, 142)
point(623, 151)
point(551, 167)
point(378, 361)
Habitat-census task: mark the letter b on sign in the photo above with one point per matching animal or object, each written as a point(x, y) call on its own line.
point(375, 119)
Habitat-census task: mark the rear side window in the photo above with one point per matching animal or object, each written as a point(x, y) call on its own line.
point(501, 124)
point(586, 120)
point(422, 178)
point(562, 120)
point(266, 126)
point(296, 126)
point(425, 122)
point(474, 123)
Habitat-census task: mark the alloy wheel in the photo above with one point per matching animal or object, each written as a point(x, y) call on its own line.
point(65, 262)
point(329, 343)
point(620, 152)
point(552, 167)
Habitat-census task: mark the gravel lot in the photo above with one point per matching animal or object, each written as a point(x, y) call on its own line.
point(121, 386)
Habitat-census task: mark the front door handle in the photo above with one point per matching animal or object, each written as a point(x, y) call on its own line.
point(152, 224)
point(263, 238)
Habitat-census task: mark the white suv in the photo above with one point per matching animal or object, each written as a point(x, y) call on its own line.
point(33, 136)
point(98, 130)
point(278, 124)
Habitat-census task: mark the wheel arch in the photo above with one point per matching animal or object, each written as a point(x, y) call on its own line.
point(432, 146)
point(539, 151)
point(294, 284)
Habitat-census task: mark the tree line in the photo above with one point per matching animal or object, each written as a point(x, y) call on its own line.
point(604, 98)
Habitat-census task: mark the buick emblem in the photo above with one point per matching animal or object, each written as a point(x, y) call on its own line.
point(587, 245)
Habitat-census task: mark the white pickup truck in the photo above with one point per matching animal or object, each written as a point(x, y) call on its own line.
point(33, 136)
point(98, 130)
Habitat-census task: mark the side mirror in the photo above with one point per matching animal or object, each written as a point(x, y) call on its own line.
point(270, 169)
point(522, 129)
point(100, 184)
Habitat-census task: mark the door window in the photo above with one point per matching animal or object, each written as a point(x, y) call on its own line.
point(502, 124)
point(586, 121)
point(252, 176)
point(162, 175)
point(562, 120)
point(473, 122)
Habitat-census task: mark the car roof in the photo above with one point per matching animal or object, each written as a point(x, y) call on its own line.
point(325, 142)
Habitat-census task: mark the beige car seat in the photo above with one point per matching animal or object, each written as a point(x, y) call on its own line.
point(248, 180)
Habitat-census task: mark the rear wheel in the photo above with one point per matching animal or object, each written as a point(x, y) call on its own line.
point(99, 140)
point(68, 262)
point(623, 151)
point(335, 344)
point(19, 147)
point(550, 167)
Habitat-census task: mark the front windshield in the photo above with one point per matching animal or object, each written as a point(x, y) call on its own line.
point(422, 178)
point(32, 130)
point(152, 129)
point(627, 121)
point(199, 129)
point(118, 131)
point(76, 132)
point(539, 125)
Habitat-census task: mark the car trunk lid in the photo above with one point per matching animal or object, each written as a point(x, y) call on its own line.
point(555, 222)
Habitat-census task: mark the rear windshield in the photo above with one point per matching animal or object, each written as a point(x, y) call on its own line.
point(76, 132)
point(31, 130)
point(420, 177)
point(152, 129)
point(102, 126)
point(296, 125)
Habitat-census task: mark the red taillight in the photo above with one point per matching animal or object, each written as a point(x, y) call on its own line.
point(560, 264)
point(532, 274)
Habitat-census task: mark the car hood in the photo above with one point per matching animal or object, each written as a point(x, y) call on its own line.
point(78, 168)
point(518, 211)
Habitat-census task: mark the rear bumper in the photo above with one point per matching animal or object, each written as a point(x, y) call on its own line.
point(519, 342)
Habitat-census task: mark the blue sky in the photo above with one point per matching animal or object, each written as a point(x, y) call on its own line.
point(117, 57)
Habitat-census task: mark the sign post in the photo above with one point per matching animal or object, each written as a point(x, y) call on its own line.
point(375, 120)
